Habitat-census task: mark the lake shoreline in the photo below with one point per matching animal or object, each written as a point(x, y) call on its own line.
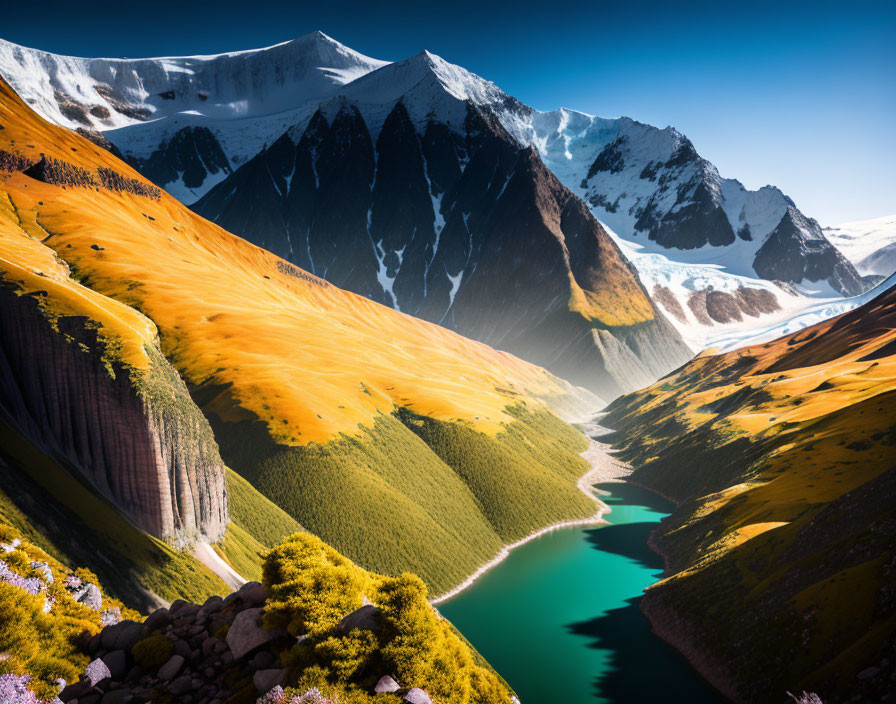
point(604, 468)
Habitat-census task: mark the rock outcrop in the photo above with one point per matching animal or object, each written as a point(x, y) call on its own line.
point(186, 160)
point(61, 173)
point(797, 249)
point(182, 654)
point(134, 435)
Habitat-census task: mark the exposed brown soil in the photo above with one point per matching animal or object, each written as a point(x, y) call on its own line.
point(697, 304)
point(756, 301)
point(710, 306)
point(664, 296)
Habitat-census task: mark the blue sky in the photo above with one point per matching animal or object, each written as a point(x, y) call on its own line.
point(801, 95)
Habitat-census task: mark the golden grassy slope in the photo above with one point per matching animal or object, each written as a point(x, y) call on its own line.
point(304, 382)
point(307, 358)
point(783, 457)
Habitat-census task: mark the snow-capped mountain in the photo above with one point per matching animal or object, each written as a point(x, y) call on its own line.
point(107, 94)
point(716, 257)
point(869, 244)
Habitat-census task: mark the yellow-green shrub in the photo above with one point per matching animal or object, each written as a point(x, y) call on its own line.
point(153, 651)
point(312, 587)
point(45, 645)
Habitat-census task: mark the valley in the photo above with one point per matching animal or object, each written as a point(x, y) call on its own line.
point(326, 379)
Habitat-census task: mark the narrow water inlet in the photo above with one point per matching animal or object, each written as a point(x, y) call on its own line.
point(559, 618)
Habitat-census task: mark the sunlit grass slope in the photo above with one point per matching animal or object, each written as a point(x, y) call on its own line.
point(783, 457)
point(303, 382)
point(256, 525)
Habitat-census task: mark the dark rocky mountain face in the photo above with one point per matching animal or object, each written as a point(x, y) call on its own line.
point(682, 203)
point(696, 219)
point(191, 155)
point(797, 249)
point(462, 228)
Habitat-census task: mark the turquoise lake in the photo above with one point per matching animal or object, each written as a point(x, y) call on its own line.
point(559, 618)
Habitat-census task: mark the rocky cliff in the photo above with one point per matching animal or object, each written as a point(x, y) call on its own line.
point(134, 436)
point(84, 380)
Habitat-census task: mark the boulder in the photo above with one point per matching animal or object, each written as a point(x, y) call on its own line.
point(181, 685)
point(263, 660)
point(170, 669)
point(118, 696)
point(182, 648)
point(266, 680)
point(212, 604)
point(246, 634)
point(208, 646)
point(117, 662)
point(416, 696)
point(386, 684)
point(158, 619)
point(177, 605)
point(367, 618)
point(123, 635)
point(90, 596)
point(73, 691)
point(253, 593)
point(96, 671)
point(44, 569)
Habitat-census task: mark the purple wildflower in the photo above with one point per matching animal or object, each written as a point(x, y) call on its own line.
point(14, 690)
point(33, 585)
point(278, 696)
point(275, 696)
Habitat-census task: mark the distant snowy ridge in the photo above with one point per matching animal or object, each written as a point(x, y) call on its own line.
point(111, 93)
point(869, 244)
point(189, 122)
point(810, 315)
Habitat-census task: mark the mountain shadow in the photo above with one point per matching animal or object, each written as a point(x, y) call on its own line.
point(629, 540)
point(641, 668)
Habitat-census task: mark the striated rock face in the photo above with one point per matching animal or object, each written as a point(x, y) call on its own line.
point(135, 436)
point(458, 225)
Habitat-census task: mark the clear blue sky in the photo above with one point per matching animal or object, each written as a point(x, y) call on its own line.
point(798, 94)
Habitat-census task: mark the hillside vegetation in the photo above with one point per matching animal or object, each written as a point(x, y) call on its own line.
point(781, 554)
point(313, 588)
point(347, 414)
point(46, 614)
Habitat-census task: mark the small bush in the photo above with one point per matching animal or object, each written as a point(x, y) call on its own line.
point(153, 651)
